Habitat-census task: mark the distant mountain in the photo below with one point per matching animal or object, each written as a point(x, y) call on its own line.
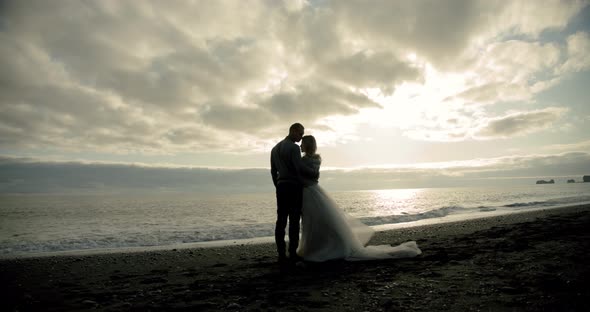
point(546, 182)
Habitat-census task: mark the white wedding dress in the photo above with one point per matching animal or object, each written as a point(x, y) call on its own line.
point(328, 233)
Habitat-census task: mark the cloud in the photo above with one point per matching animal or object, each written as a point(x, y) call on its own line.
point(578, 59)
point(316, 101)
point(382, 70)
point(156, 77)
point(235, 118)
point(532, 19)
point(462, 125)
point(510, 71)
point(34, 176)
point(26, 175)
point(416, 25)
point(520, 123)
point(513, 71)
point(116, 76)
point(506, 60)
point(493, 92)
point(500, 171)
point(443, 31)
point(578, 146)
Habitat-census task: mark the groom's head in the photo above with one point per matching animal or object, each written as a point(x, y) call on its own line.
point(296, 132)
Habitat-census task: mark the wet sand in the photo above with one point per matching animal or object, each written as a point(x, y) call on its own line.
point(532, 261)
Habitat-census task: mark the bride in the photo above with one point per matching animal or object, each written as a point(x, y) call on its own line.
point(330, 233)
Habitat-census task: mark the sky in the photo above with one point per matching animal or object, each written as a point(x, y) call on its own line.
point(395, 92)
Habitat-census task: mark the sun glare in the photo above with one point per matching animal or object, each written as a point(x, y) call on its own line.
point(394, 201)
point(412, 57)
point(408, 104)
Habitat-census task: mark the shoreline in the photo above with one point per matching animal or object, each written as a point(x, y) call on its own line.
point(534, 260)
point(270, 240)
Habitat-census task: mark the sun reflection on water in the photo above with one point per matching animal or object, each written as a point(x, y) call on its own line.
point(396, 201)
point(381, 202)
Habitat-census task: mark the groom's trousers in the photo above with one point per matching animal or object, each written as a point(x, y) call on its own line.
point(289, 202)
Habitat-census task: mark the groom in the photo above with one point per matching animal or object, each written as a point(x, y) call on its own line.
point(286, 168)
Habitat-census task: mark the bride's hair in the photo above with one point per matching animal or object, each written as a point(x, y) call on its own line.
point(310, 146)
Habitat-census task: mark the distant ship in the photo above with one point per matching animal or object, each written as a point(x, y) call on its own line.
point(546, 182)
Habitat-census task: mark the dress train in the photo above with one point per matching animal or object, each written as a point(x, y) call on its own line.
point(330, 233)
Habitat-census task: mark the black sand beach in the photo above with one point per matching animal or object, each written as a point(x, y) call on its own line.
point(533, 261)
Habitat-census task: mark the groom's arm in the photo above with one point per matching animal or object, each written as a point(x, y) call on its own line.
point(274, 171)
point(301, 168)
point(311, 172)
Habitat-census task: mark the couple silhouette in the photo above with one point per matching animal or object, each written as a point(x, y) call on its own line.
point(327, 231)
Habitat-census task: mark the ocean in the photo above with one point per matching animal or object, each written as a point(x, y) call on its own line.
point(43, 224)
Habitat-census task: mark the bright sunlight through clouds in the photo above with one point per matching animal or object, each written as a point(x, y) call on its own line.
point(428, 85)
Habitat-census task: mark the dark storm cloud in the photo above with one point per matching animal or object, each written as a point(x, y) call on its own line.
point(316, 100)
point(236, 118)
point(382, 70)
point(520, 123)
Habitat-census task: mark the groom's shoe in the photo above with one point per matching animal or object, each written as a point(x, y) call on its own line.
point(298, 263)
point(284, 264)
point(294, 258)
point(283, 258)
